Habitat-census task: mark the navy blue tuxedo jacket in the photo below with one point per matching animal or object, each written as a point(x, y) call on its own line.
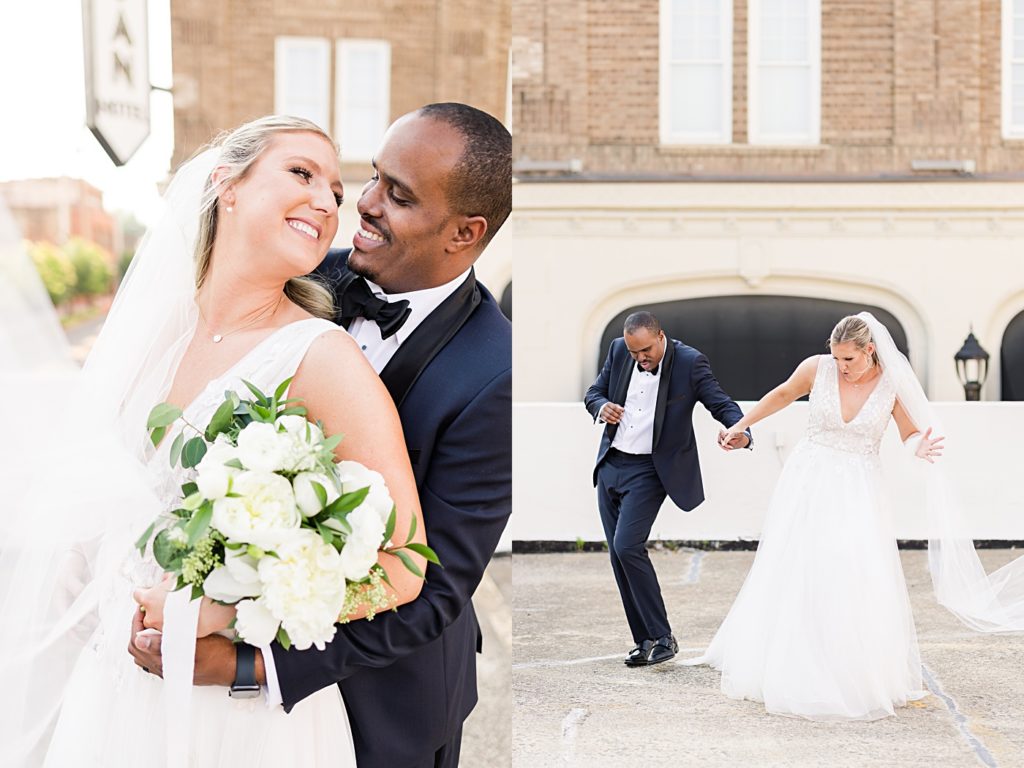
point(686, 379)
point(409, 676)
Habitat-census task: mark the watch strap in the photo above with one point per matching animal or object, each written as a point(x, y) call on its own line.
point(245, 685)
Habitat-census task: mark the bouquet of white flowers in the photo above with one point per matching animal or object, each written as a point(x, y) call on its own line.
point(270, 523)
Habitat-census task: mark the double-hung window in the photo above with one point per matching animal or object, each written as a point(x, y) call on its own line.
point(784, 71)
point(695, 80)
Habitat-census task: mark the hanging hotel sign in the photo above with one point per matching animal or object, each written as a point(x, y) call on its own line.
point(117, 74)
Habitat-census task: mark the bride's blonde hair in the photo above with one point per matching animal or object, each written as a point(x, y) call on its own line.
point(239, 149)
point(853, 329)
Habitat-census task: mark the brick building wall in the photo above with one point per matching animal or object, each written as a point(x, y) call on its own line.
point(54, 210)
point(223, 53)
point(901, 80)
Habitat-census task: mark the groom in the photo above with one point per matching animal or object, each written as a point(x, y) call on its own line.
point(645, 394)
point(407, 293)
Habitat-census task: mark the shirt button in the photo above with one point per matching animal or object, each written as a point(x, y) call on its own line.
point(364, 347)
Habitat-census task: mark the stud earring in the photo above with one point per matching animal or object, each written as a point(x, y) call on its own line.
point(229, 209)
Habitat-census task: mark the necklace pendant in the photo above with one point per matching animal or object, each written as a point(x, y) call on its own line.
point(217, 338)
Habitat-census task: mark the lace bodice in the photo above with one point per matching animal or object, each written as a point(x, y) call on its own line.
point(825, 425)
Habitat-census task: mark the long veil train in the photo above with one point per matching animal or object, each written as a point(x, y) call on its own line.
point(985, 602)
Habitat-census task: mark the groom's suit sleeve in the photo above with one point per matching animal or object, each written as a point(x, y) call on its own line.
point(597, 395)
point(467, 494)
point(709, 392)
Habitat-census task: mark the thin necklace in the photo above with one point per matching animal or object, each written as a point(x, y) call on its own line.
point(217, 338)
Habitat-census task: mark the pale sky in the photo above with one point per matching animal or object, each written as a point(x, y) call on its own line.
point(42, 97)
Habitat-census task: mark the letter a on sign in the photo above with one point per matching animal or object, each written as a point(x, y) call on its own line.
point(117, 75)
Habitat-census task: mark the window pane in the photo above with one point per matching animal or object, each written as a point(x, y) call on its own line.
point(696, 30)
point(697, 99)
point(785, 103)
point(364, 96)
point(1017, 107)
point(301, 79)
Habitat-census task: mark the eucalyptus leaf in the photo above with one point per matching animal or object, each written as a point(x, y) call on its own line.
point(144, 538)
point(168, 554)
point(196, 527)
point(193, 452)
point(157, 435)
point(176, 446)
point(221, 420)
point(408, 563)
point(187, 489)
point(163, 415)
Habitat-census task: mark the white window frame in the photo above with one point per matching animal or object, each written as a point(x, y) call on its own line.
point(667, 136)
point(282, 47)
point(754, 135)
point(342, 46)
point(1010, 131)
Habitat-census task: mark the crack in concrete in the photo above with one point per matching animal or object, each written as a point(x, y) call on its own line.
point(980, 751)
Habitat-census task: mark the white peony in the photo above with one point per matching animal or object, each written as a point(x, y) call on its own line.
point(305, 496)
point(304, 587)
point(262, 448)
point(355, 476)
point(254, 623)
point(213, 478)
point(361, 546)
point(263, 513)
point(301, 451)
point(236, 579)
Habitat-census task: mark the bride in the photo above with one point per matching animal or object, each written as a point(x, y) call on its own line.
point(215, 296)
point(822, 627)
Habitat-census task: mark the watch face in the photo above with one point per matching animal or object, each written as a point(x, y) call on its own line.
point(244, 691)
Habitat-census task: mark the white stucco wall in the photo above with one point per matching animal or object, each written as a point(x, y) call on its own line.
point(940, 256)
point(555, 444)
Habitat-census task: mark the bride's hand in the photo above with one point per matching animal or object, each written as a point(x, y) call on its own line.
point(214, 617)
point(732, 438)
point(151, 601)
point(929, 448)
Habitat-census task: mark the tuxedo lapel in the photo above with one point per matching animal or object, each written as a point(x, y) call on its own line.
point(663, 387)
point(436, 330)
point(621, 388)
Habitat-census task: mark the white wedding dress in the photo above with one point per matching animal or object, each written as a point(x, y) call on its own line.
point(113, 713)
point(822, 627)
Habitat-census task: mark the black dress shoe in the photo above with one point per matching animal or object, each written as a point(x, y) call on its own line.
point(664, 648)
point(638, 656)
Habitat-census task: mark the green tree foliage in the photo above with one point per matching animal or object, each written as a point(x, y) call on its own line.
point(92, 267)
point(55, 268)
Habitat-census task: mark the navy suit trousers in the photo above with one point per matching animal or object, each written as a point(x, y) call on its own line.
point(629, 495)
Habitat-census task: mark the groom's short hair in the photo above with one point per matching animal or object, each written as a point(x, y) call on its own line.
point(639, 320)
point(480, 184)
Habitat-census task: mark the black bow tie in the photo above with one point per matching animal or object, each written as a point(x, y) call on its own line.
point(358, 301)
point(653, 371)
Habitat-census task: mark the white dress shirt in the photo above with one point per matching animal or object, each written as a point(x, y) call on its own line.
point(379, 352)
point(421, 303)
point(636, 427)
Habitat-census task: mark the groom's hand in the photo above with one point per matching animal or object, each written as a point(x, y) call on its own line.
point(730, 441)
point(611, 413)
point(214, 663)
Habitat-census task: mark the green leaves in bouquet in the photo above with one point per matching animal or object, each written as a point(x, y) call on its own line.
point(196, 527)
point(192, 452)
point(420, 549)
point(160, 418)
point(283, 639)
point(143, 540)
point(167, 550)
point(222, 418)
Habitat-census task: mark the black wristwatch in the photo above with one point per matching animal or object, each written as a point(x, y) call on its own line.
point(245, 685)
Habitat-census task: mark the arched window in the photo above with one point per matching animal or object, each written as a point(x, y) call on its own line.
point(1012, 357)
point(755, 342)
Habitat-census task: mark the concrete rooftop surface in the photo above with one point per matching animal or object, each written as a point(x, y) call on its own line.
point(577, 704)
